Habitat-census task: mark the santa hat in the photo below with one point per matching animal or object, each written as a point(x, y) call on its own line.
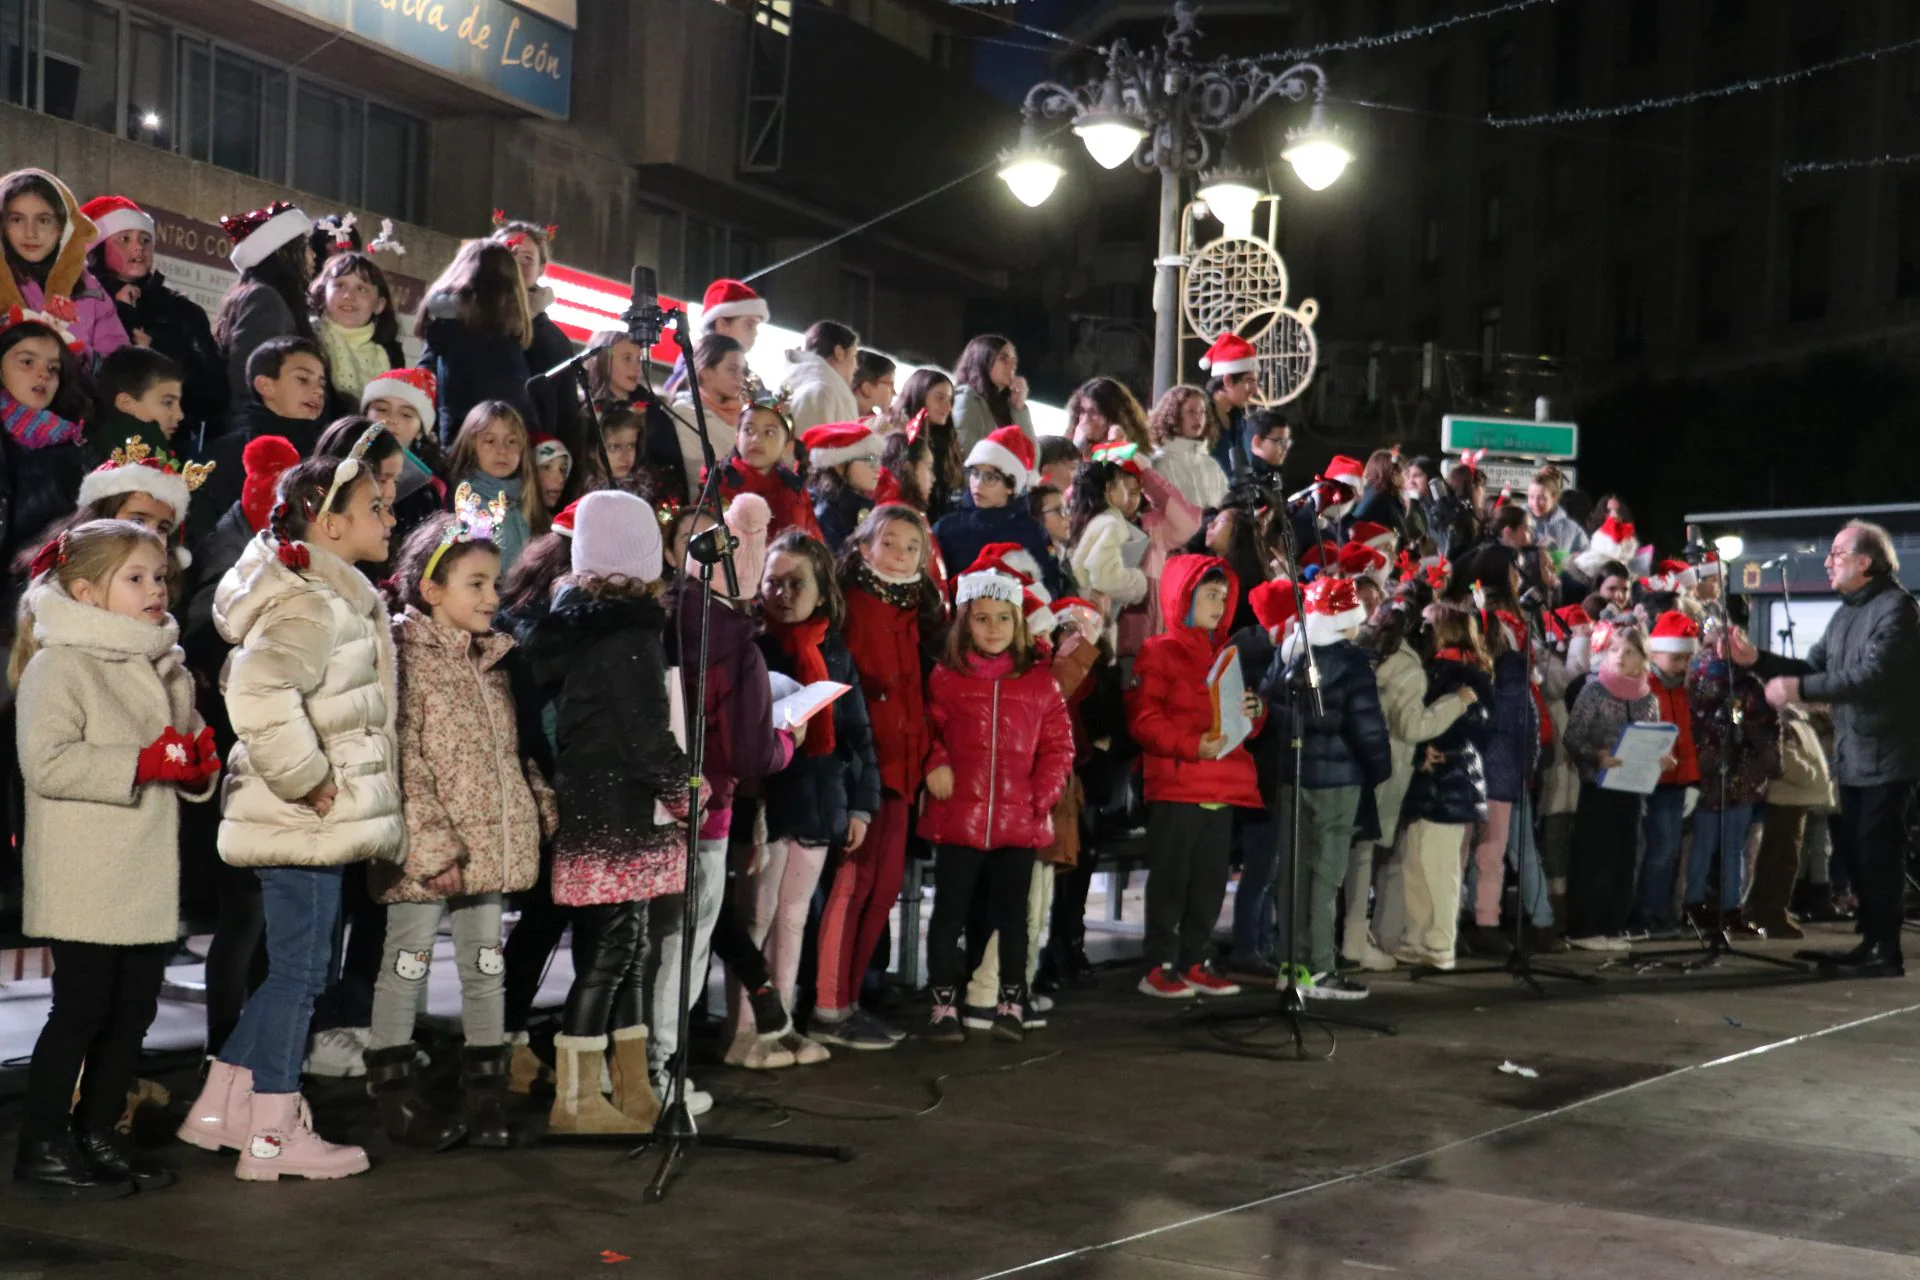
point(1673, 575)
point(1377, 536)
point(989, 584)
point(546, 448)
point(1230, 353)
point(1674, 632)
point(14, 315)
point(1332, 610)
point(111, 215)
point(1344, 470)
point(416, 388)
point(1572, 616)
point(833, 443)
point(67, 263)
point(1119, 453)
point(1040, 619)
point(1007, 451)
point(1359, 560)
point(1710, 567)
point(563, 523)
point(259, 234)
point(1272, 604)
point(265, 460)
point(726, 299)
point(135, 468)
point(1009, 558)
point(748, 516)
point(1614, 539)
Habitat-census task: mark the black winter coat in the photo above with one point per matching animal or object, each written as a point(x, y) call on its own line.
point(812, 798)
point(42, 486)
point(1346, 744)
point(229, 475)
point(1382, 508)
point(1453, 791)
point(472, 366)
point(1272, 747)
point(178, 329)
point(1514, 746)
point(963, 531)
point(213, 555)
point(839, 515)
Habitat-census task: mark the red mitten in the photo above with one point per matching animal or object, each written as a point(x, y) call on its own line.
point(168, 758)
point(206, 755)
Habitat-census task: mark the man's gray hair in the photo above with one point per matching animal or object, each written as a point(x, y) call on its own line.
point(1875, 543)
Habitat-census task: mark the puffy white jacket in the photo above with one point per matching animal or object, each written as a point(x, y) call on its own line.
point(1411, 720)
point(310, 690)
point(817, 393)
point(1098, 564)
point(101, 852)
point(1191, 469)
point(721, 430)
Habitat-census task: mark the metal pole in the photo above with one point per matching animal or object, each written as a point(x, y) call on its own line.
point(1166, 287)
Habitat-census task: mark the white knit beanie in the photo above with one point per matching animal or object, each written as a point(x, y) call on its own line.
point(615, 533)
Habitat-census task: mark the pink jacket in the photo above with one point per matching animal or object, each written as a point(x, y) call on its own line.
point(97, 323)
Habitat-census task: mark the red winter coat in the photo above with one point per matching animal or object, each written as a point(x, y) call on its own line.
point(885, 642)
point(1676, 708)
point(1170, 709)
point(788, 501)
point(1009, 743)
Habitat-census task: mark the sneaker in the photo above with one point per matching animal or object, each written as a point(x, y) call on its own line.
point(1202, 978)
point(1302, 976)
point(698, 1100)
point(1599, 942)
point(976, 1017)
point(806, 1051)
point(756, 1052)
point(1371, 958)
point(1010, 1016)
point(1037, 1003)
point(1336, 986)
point(943, 1021)
point(855, 1031)
point(876, 1025)
point(1419, 959)
point(1165, 982)
point(339, 1053)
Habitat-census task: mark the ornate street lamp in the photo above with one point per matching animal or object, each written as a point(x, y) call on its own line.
point(1165, 110)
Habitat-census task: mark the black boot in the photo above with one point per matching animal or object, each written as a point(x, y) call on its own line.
point(58, 1167)
point(394, 1081)
point(1009, 1016)
point(114, 1154)
point(1868, 960)
point(483, 1075)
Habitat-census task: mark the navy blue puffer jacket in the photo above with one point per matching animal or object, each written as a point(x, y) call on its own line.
point(1453, 791)
point(1515, 742)
point(1347, 744)
point(811, 799)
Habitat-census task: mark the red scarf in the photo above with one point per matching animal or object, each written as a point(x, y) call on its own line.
point(800, 641)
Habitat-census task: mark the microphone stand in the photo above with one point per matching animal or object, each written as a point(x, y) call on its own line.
point(1786, 609)
point(574, 367)
point(675, 1127)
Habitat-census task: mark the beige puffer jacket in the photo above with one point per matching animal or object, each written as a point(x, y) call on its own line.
point(472, 799)
point(102, 852)
point(310, 690)
point(1410, 721)
point(1805, 779)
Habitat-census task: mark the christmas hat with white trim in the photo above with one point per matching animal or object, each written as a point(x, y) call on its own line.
point(726, 299)
point(113, 214)
point(136, 468)
point(832, 443)
point(258, 234)
point(1674, 632)
point(416, 388)
point(1332, 610)
point(1230, 353)
point(1007, 451)
point(989, 584)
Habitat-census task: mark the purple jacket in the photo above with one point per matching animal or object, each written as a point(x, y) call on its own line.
point(741, 740)
point(97, 323)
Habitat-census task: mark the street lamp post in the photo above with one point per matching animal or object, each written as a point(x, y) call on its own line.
point(1164, 109)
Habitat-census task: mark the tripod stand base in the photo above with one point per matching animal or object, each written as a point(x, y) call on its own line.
point(676, 1129)
point(1518, 966)
point(1714, 946)
point(1296, 1014)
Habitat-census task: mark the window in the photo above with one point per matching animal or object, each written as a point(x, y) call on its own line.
point(1809, 262)
point(1816, 107)
point(327, 142)
point(1629, 310)
point(1714, 274)
point(393, 160)
point(150, 100)
point(1490, 344)
point(1500, 73)
point(1907, 251)
point(705, 255)
point(745, 254)
point(77, 74)
point(1643, 31)
point(1492, 220)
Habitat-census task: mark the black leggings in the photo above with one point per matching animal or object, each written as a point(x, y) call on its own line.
point(237, 956)
point(609, 990)
point(530, 946)
point(104, 999)
point(956, 870)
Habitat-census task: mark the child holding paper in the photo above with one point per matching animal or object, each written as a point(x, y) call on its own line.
point(1606, 835)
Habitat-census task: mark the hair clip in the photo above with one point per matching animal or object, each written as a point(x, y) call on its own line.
point(474, 520)
point(499, 218)
point(51, 555)
point(915, 426)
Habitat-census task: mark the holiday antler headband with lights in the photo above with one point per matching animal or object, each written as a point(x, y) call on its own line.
point(550, 231)
point(474, 520)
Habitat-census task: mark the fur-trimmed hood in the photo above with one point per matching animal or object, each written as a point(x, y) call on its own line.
point(69, 260)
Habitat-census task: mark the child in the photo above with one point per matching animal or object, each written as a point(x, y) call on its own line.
point(820, 374)
point(754, 467)
point(273, 253)
point(41, 404)
point(140, 389)
point(152, 490)
point(1569, 653)
point(872, 385)
point(1108, 517)
point(288, 381)
point(1049, 507)
point(720, 380)
point(356, 325)
point(552, 465)
point(1345, 753)
point(1190, 784)
point(402, 400)
point(1059, 459)
point(924, 410)
point(1183, 436)
point(1000, 757)
point(264, 461)
point(313, 787)
point(46, 242)
point(1675, 639)
point(999, 473)
point(490, 455)
point(1751, 747)
point(476, 810)
point(476, 323)
point(620, 437)
point(829, 795)
point(108, 741)
point(842, 476)
point(1607, 835)
point(906, 470)
point(890, 611)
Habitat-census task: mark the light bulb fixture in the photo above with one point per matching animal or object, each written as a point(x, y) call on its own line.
point(1730, 546)
point(1031, 171)
point(1317, 153)
point(1231, 196)
point(1110, 133)
point(150, 120)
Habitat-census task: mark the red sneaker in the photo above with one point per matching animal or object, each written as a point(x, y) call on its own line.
point(1202, 979)
point(1164, 982)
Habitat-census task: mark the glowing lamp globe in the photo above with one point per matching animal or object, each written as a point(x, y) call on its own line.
point(1232, 201)
point(1318, 159)
point(1730, 546)
point(1031, 176)
point(1111, 139)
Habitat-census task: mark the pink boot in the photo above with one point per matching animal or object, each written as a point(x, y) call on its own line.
point(222, 1114)
point(283, 1144)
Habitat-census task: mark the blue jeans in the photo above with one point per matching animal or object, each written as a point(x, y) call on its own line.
point(1653, 901)
point(1256, 933)
point(1733, 858)
point(1524, 856)
point(301, 905)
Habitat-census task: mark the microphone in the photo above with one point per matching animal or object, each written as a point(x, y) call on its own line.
point(1437, 490)
point(1533, 598)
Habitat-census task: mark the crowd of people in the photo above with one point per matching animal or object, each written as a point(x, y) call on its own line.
point(420, 646)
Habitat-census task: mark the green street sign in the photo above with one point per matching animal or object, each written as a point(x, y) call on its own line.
point(1559, 441)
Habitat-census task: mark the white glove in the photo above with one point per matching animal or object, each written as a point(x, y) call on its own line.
point(1692, 803)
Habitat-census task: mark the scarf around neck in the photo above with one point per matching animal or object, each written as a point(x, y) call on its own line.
point(900, 593)
point(36, 428)
point(801, 642)
point(1625, 688)
point(353, 358)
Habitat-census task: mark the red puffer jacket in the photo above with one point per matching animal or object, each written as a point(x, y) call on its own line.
point(884, 639)
point(787, 498)
point(1009, 742)
point(1169, 707)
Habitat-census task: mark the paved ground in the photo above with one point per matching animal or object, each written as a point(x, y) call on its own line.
point(1729, 1124)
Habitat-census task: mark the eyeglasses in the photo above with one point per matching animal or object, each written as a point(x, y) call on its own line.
point(1831, 556)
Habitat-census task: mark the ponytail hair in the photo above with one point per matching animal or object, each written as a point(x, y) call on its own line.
point(89, 552)
point(303, 490)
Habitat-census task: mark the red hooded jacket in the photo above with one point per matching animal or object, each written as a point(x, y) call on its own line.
point(1010, 745)
point(1169, 707)
point(884, 639)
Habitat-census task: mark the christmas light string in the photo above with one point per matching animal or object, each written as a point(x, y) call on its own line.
point(981, 7)
point(1577, 115)
point(1401, 36)
point(1792, 171)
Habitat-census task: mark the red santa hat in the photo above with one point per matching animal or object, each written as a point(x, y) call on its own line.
point(1674, 632)
point(113, 214)
point(416, 388)
point(1040, 619)
point(1709, 567)
point(1614, 539)
point(833, 443)
point(989, 584)
point(1332, 610)
point(1344, 470)
point(727, 299)
point(1230, 353)
point(1009, 452)
point(546, 448)
point(1573, 616)
point(1009, 558)
point(136, 468)
point(1672, 575)
point(1377, 536)
point(265, 460)
point(1272, 604)
point(256, 235)
point(1358, 559)
point(563, 523)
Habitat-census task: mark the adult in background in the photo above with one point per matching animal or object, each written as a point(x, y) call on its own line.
point(1554, 527)
point(819, 375)
point(1867, 667)
point(989, 392)
point(1103, 411)
point(156, 316)
point(1381, 498)
point(1233, 380)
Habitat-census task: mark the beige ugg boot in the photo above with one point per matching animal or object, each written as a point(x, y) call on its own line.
point(578, 1105)
point(632, 1085)
point(526, 1071)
